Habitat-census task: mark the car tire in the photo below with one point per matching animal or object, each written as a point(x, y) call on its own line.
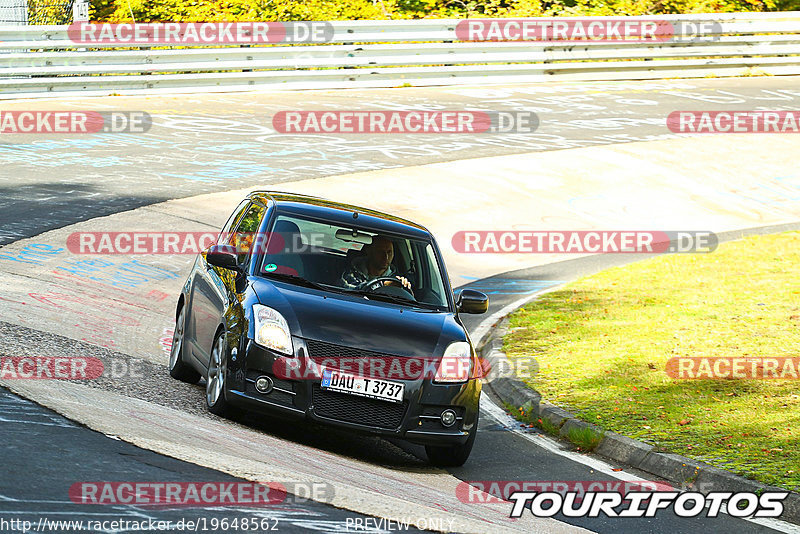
point(453, 455)
point(217, 377)
point(178, 369)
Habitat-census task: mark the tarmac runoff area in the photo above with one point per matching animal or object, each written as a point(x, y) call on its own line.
point(125, 304)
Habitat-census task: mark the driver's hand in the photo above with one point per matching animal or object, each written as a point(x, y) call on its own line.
point(404, 281)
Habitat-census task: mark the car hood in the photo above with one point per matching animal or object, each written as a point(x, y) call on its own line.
point(356, 322)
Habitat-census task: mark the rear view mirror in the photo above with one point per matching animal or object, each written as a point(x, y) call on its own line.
point(223, 256)
point(471, 301)
point(354, 236)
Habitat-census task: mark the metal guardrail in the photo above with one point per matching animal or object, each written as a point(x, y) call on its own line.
point(43, 59)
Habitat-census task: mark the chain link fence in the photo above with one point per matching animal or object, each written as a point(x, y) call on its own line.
point(36, 11)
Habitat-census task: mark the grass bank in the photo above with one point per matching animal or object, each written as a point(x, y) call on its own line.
point(603, 343)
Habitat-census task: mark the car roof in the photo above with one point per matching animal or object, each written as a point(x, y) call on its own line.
point(340, 213)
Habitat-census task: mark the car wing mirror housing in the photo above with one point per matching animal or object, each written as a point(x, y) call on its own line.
point(223, 256)
point(471, 301)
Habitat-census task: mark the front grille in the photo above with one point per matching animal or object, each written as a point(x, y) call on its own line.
point(320, 351)
point(361, 410)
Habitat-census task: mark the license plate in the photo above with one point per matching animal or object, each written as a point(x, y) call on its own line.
point(372, 388)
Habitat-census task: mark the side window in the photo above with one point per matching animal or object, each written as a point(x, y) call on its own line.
point(225, 234)
point(432, 267)
point(245, 233)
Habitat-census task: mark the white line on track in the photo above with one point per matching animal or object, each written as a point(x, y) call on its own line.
point(549, 444)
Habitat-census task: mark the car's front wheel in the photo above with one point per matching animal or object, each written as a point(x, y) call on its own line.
point(216, 379)
point(452, 455)
point(178, 369)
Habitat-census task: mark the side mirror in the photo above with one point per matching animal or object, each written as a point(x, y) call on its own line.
point(471, 301)
point(223, 256)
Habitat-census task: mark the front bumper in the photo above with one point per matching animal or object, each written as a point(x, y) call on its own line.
point(416, 419)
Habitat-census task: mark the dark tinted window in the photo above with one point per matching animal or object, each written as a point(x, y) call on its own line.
point(349, 258)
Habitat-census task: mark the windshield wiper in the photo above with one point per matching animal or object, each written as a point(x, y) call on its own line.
point(391, 298)
point(298, 280)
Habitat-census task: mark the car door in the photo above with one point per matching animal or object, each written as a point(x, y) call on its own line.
point(213, 287)
point(202, 296)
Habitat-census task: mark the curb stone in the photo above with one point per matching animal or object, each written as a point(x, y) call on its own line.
point(679, 470)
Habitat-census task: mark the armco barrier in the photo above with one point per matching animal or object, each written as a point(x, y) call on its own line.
point(43, 59)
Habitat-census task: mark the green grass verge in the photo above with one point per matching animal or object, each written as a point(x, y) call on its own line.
point(585, 439)
point(602, 344)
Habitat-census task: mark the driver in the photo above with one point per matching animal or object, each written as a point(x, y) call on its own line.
point(376, 263)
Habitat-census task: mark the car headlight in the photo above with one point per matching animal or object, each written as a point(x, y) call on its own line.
point(456, 363)
point(272, 330)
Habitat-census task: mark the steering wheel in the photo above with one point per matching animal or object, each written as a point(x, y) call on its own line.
point(387, 281)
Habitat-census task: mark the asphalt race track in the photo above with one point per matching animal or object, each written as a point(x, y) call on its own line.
point(212, 143)
point(34, 485)
point(205, 143)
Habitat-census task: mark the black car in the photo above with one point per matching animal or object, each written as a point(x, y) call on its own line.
point(335, 314)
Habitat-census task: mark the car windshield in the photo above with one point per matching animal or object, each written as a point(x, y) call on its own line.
point(354, 260)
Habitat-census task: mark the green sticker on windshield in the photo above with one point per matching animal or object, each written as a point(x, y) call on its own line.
point(270, 267)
